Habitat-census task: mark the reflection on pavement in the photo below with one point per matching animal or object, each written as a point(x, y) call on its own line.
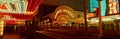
point(13, 36)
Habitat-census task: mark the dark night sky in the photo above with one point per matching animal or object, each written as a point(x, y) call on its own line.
point(50, 5)
point(75, 4)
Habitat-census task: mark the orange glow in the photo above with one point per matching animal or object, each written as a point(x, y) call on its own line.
point(1, 27)
point(30, 12)
point(20, 22)
point(2, 6)
point(113, 7)
point(90, 15)
point(66, 10)
point(63, 18)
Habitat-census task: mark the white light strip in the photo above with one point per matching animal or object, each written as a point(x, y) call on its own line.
point(25, 6)
point(17, 6)
point(8, 6)
point(8, 0)
point(1, 27)
point(20, 7)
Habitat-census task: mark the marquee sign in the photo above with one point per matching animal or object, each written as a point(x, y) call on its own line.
point(19, 9)
point(64, 9)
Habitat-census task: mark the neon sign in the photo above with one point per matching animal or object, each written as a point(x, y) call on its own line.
point(65, 11)
point(94, 4)
point(23, 9)
point(113, 6)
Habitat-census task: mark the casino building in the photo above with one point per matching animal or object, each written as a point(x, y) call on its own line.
point(66, 16)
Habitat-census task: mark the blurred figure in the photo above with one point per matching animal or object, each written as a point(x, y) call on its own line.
point(96, 11)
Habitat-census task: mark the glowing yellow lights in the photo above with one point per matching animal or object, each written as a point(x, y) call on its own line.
point(104, 19)
point(113, 5)
point(30, 12)
point(66, 10)
point(1, 27)
point(20, 22)
point(90, 15)
point(63, 19)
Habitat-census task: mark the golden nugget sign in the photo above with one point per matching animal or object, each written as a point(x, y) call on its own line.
point(65, 11)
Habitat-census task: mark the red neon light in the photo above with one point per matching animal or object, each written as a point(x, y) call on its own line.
point(10, 21)
point(18, 16)
point(22, 16)
point(33, 4)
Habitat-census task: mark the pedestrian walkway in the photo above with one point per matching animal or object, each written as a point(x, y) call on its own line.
point(12, 36)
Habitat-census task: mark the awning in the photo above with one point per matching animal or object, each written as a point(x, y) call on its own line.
point(16, 8)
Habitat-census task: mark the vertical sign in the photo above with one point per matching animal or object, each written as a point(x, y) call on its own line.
point(113, 6)
point(94, 4)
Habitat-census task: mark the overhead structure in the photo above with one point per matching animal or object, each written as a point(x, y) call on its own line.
point(19, 9)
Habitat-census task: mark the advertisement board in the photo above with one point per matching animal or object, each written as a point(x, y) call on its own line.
point(94, 4)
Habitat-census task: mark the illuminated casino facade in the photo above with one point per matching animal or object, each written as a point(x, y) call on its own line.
point(19, 9)
point(22, 11)
point(17, 12)
point(66, 16)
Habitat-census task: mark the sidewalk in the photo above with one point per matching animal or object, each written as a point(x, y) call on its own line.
point(12, 36)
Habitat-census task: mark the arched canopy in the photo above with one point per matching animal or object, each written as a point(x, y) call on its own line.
point(63, 19)
point(64, 9)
